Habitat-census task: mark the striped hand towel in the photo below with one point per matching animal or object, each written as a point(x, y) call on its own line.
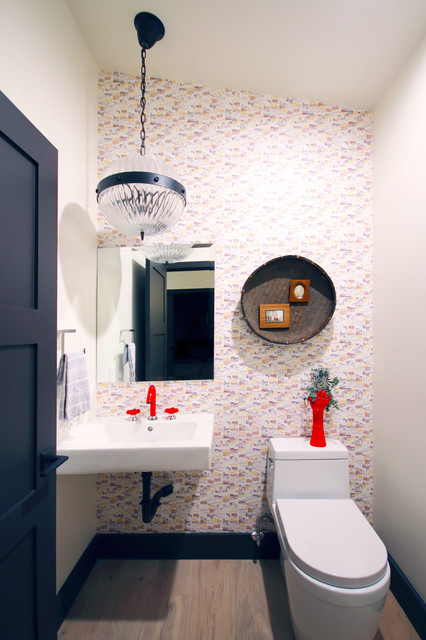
point(72, 375)
point(129, 355)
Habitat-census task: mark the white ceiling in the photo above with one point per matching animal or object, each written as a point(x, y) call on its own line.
point(343, 52)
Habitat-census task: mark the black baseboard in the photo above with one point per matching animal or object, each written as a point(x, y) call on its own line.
point(73, 584)
point(408, 598)
point(196, 546)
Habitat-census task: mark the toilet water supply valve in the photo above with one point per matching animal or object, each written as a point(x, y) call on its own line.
point(321, 385)
point(258, 534)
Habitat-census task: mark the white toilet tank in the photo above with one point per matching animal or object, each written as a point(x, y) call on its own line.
point(295, 469)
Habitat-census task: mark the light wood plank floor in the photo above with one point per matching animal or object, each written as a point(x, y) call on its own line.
point(194, 600)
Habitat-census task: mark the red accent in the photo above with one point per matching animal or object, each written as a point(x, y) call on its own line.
point(321, 403)
point(171, 410)
point(133, 412)
point(151, 400)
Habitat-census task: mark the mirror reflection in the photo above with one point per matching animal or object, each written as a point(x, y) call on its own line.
point(155, 320)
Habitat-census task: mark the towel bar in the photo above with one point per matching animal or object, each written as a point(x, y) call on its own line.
point(61, 333)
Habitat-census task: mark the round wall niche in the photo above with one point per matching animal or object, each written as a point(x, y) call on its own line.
point(304, 290)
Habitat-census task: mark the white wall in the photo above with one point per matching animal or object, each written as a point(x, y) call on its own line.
point(400, 320)
point(190, 280)
point(49, 74)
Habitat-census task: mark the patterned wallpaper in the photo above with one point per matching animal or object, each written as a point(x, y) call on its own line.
point(265, 177)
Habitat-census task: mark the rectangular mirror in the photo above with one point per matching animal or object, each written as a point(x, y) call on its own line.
point(155, 321)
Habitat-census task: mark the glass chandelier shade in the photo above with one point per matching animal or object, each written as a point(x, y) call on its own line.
point(166, 253)
point(141, 195)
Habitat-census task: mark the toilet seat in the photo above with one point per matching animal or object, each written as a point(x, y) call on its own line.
point(331, 541)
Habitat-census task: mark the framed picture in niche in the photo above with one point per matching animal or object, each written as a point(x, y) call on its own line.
point(299, 290)
point(274, 316)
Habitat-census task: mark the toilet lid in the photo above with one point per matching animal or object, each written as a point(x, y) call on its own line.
point(331, 541)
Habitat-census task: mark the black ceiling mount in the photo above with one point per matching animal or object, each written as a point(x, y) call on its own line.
point(150, 29)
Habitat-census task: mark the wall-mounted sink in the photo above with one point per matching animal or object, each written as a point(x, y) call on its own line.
point(118, 444)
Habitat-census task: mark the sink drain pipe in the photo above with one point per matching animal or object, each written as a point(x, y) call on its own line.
point(150, 505)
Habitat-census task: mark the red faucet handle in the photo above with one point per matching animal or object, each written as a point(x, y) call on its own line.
point(171, 410)
point(133, 412)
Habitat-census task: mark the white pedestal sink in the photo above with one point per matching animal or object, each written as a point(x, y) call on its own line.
point(118, 444)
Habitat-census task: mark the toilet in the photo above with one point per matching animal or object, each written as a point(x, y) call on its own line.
point(335, 565)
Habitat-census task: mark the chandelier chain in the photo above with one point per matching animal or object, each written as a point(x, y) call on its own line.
point(143, 100)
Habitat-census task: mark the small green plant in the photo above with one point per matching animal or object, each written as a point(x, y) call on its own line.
point(320, 379)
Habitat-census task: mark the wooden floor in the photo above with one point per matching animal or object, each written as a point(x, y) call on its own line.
point(194, 600)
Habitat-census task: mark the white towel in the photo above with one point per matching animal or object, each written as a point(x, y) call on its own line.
point(129, 355)
point(72, 374)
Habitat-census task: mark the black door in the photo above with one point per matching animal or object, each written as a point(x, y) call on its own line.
point(190, 334)
point(28, 213)
point(156, 321)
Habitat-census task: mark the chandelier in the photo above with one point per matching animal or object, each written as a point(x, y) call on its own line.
point(166, 253)
point(142, 195)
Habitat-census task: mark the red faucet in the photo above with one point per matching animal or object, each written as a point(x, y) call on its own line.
point(151, 400)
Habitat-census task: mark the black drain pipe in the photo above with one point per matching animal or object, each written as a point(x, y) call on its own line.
point(150, 505)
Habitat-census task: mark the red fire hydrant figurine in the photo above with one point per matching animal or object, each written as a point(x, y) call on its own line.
point(318, 407)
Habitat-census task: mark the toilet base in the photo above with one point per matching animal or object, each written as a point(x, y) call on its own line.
point(353, 614)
